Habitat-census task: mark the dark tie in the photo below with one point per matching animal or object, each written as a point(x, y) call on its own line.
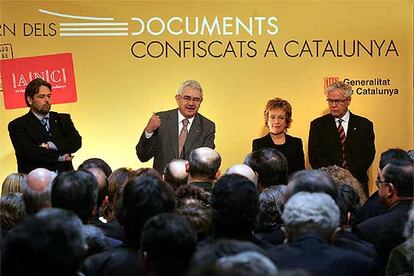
point(45, 123)
point(342, 139)
point(182, 137)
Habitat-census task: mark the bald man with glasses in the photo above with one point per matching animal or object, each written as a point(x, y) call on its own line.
point(342, 138)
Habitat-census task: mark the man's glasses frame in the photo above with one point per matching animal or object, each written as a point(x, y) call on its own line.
point(337, 102)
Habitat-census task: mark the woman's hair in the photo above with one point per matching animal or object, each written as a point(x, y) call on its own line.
point(278, 103)
point(12, 183)
point(12, 210)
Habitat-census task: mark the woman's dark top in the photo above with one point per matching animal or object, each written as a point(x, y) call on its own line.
point(292, 149)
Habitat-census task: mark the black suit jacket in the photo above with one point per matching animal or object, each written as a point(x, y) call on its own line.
point(324, 146)
point(292, 149)
point(386, 231)
point(163, 145)
point(311, 253)
point(122, 260)
point(27, 133)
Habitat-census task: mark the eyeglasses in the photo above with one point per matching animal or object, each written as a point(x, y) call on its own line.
point(337, 102)
point(378, 182)
point(188, 99)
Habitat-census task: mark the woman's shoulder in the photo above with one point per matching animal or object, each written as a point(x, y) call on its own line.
point(263, 138)
point(293, 139)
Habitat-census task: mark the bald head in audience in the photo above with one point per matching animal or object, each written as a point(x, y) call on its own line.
point(203, 166)
point(37, 188)
point(175, 173)
point(243, 170)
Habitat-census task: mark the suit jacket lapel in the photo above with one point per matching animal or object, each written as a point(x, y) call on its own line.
point(53, 123)
point(195, 131)
point(352, 128)
point(36, 126)
point(332, 130)
point(172, 124)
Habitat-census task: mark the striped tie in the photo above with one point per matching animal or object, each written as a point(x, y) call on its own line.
point(342, 139)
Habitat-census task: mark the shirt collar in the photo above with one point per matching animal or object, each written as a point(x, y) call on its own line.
point(344, 118)
point(40, 117)
point(181, 118)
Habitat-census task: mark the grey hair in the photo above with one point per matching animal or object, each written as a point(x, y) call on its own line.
point(409, 226)
point(250, 262)
point(190, 83)
point(317, 209)
point(344, 87)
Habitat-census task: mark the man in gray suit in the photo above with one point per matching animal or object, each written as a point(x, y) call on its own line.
point(175, 133)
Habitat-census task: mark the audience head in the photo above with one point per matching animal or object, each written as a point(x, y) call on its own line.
point(37, 189)
point(13, 183)
point(341, 176)
point(49, 243)
point(348, 201)
point(175, 173)
point(102, 185)
point(204, 164)
point(209, 252)
point(117, 181)
point(270, 208)
point(243, 170)
point(200, 217)
point(270, 166)
point(76, 191)
point(310, 212)
point(234, 202)
point(96, 163)
point(143, 197)
point(189, 194)
point(247, 263)
point(12, 210)
point(168, 243)
point(313, 181)
point(391, 155)
point(396, 182)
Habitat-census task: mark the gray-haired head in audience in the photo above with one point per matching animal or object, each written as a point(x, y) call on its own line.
point(306, 212)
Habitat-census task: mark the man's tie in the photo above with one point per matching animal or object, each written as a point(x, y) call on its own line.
point(342, 139)
point(182, 137)
point(45, 123)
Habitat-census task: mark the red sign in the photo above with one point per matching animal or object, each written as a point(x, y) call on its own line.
point(329, 80)
point(55, 69)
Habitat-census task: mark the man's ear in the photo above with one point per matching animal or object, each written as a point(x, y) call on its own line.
point(187, 166)
point(391, 189)
point(218, 173)
point(29, 100)
point(177, 98)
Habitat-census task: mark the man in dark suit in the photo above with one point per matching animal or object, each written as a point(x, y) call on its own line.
point(42, 138)
point(342, 138)
point(175, 133)
point(395, 191)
